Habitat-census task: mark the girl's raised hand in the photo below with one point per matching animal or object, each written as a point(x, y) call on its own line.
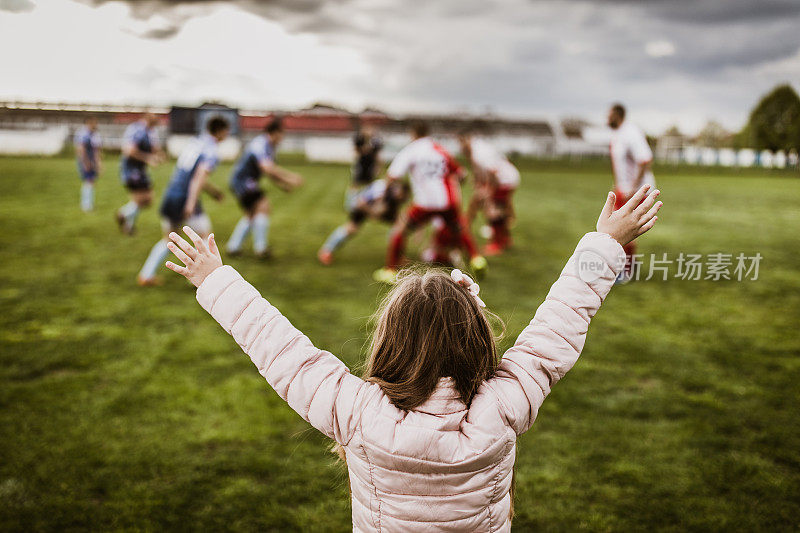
point(200, 260)
point(634, 218)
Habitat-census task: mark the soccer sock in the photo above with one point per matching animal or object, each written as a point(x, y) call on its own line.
point(336, 239)
point(157, 255)
point(396, 245)
point(630, 251)
point(500, 232)
point(87, 196)
point(130, 211)
point(239, 234)
point(466, 238)
point(260, 233)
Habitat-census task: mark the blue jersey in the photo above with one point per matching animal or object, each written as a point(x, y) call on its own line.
point(248, 169)
point(200, 151)
point(144, 139)
point(90, 141)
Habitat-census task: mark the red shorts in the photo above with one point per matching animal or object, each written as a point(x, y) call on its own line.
point(418, 216)
point(502, 195)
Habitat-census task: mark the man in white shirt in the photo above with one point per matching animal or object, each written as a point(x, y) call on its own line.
point(434, 176)
point(496, 179)
point(631, 158)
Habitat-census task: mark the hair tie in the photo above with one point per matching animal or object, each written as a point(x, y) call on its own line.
point(465, 281)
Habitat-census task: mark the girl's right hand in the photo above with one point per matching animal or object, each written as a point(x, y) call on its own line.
point(634, 218)
point(200, 261)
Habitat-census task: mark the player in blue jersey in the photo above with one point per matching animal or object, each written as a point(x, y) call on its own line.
point(140, 148)
point(87, 152)
point(181, 203)
point(258, 159)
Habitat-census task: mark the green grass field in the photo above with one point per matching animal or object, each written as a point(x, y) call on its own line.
point(124, 408)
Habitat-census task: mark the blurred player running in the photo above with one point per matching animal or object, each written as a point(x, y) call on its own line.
point(434, 183)
point(139, 149)
point(379, 201)
point(181, 203)
point(258, 159)
point(367, 162)
point(631, 158)
point(87, 152)
point(363, 172)
point(496, 179)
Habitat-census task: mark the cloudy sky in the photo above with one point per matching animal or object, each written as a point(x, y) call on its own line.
point(671, 61)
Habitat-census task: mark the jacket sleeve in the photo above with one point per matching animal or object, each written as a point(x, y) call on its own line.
point(314, 383)
point(553, 340)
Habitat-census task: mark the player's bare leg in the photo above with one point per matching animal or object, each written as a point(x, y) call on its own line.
point(335, 240)
point(127, 214)
point(498, 218)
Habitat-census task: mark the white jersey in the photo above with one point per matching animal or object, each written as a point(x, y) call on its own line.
point(490, 159)
point(430, 168)
point(629, 149)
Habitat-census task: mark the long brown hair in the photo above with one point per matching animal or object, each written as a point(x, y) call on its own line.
point(429, 327)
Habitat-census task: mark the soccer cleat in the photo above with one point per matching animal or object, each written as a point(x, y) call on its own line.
point(492, 249)
point(385, 275)
point(325, 257)
point(264, 255)
point(478, 265)
point(122, 222)
point(148, 282)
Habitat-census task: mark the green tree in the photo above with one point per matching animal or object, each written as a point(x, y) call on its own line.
point(774, 123)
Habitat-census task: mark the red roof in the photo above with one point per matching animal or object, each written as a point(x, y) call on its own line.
point(338, 122)
point(128, 117)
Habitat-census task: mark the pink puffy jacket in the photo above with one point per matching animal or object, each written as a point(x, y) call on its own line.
point(443, 466)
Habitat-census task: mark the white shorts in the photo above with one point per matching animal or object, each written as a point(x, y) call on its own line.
point(200, 223)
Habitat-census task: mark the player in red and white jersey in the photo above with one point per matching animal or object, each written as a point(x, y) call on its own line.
point(434, 176)
point(496, 179)
point(631, 159)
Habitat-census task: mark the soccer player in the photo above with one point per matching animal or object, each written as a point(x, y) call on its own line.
point(87, 152)
point(258, 159)
point(496, 179)
point(379, 201)
point(181, 203)
point(631, 158)
point(434, 183)
point(139, 149)
point(365, 167)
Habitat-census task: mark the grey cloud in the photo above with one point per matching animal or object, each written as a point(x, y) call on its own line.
point(535, 54)
point(161, 33)
point(17, 6)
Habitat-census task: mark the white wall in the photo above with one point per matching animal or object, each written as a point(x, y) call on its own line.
point(228, 149)
point(47, 141)
point(339, 148)
point(728, 157)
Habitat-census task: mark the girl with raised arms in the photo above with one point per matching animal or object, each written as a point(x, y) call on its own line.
point(430, 431)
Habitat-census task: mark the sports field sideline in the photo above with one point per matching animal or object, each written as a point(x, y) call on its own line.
point(681, 414)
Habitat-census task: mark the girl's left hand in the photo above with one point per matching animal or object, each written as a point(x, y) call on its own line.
point(200, 261)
